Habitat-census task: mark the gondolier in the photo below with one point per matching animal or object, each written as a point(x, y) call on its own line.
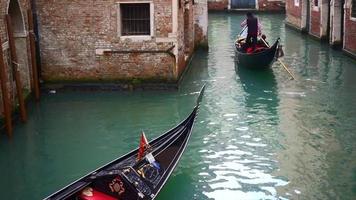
point(253, 29)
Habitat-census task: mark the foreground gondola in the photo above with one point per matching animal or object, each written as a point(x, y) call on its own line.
point(127, 178)
point(259, 60)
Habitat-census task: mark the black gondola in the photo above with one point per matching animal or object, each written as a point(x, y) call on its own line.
point(262, 59)
point(128, 179)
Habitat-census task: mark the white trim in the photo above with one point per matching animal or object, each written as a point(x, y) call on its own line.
point(175, 16)
point(256, 3)
point(315, 8)
point(296, 3)
point(137, 38)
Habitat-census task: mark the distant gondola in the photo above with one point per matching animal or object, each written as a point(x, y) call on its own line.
point(128, 179)
point(261, 59)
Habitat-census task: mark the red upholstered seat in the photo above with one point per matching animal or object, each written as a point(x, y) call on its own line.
point(92, 194)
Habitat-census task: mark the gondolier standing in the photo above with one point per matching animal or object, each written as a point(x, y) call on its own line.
point(253, 29)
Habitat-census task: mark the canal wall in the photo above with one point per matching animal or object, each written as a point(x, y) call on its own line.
point(85, 41)
point(331, 21)
point(256, 5)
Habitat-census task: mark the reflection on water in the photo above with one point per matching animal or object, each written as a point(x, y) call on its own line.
point(259, 135)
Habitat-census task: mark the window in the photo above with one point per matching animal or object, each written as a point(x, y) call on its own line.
point(353, 9)
point(135, 19)
point(296, 2)
point(316, 3)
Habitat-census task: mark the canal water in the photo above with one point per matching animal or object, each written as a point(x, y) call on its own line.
point(259, 135)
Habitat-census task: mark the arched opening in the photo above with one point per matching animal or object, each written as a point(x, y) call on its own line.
point(16, 17)
point(20, 37)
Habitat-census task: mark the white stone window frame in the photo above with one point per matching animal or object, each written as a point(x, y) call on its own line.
point(352, 18)
point(137, 38)
point(316, 8)
point(296, 3)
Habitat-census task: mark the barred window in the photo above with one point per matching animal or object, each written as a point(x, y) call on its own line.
point(353, 7)
point(135, 19)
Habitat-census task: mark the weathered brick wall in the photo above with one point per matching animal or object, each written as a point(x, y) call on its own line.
point(293, 13)
point(72, 31)
point(266, 5)
point(22, 47)
point(350, 31)
point(218, 4)
point(315, 23)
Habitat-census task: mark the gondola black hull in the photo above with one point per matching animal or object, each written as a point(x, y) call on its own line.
point(128, 179)
point(260, 60)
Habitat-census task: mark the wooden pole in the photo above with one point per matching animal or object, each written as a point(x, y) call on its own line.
point(284, 66)
point(15, 69)
point(35, 80)
point(5, 94)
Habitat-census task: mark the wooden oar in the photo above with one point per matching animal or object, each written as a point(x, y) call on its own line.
point(284, 66)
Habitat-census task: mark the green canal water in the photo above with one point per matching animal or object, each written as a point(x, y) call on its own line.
point(259, 135)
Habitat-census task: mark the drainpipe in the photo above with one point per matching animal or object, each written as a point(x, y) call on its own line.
point(37, 39)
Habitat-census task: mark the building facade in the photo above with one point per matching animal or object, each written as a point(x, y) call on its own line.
point(334, 21)
point(119, 40)
point(259, 5)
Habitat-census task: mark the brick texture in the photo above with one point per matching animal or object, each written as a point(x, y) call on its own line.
point(218, 4)
point(72, 32)
point(315, 23)
point(350, 32)
point(266, 5)
point(294, 13)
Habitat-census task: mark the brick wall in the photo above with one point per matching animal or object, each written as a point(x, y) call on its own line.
point(293, 13)
point(218, 4)
point(350, 32)
point(315, 22)
point(267, 5)
point(72, 31)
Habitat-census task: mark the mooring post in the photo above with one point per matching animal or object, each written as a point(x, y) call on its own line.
point(5, 94)
point(32, 37)
point(15, 69)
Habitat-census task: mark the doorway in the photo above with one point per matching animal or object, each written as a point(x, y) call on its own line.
point(20, 38)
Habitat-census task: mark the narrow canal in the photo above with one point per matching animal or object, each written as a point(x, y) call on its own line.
point(259, 135)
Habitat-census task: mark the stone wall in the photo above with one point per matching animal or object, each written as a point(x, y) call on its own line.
point(201, 22)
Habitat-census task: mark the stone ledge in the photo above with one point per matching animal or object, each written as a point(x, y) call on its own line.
point(48, 87)
point(349, 53)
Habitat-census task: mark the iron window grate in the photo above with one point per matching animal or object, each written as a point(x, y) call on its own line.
point(135, 19)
